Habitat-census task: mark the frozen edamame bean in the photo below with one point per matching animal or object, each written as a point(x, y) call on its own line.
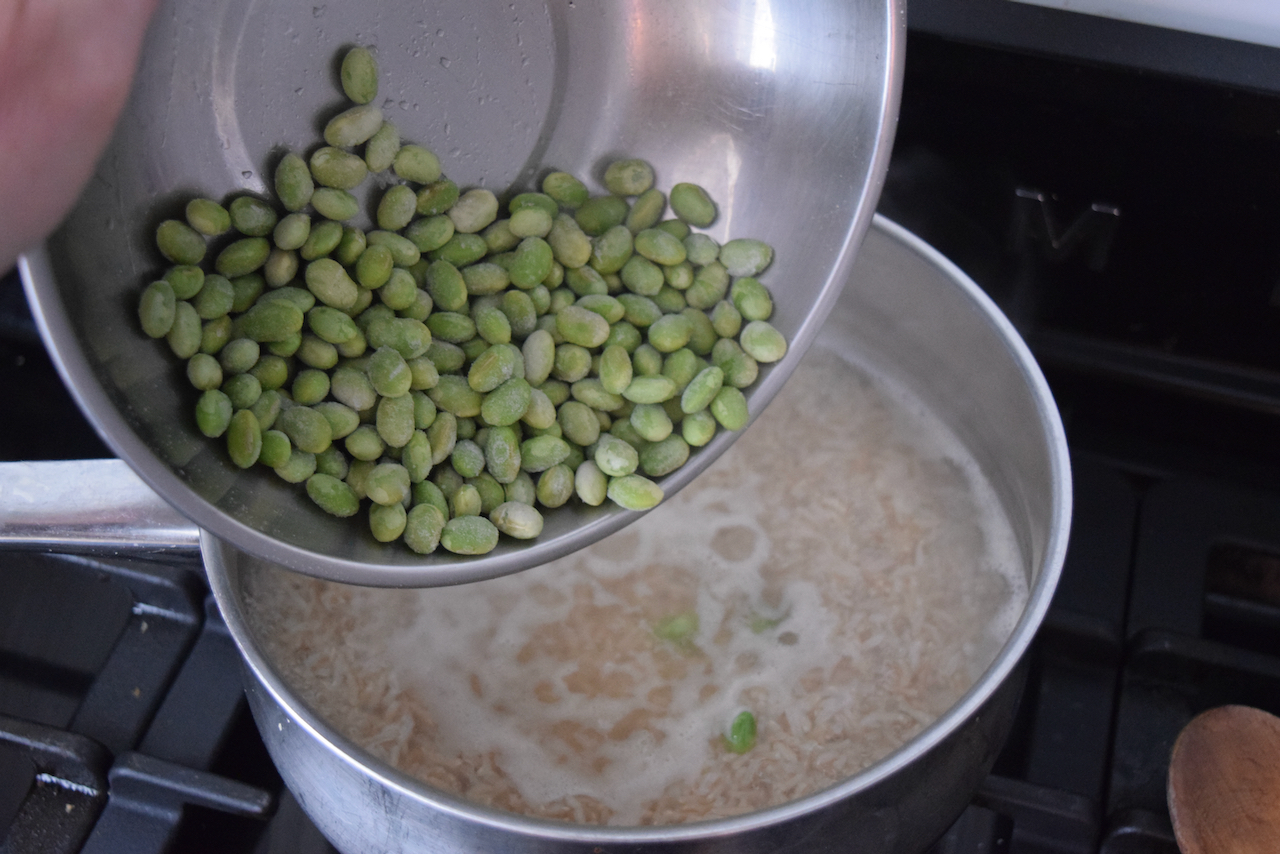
point(324, 238)
point(590, 483)
point(634, 492)
point(308, 430)
point(387, 522)
point(570, 245)
point(252, 217)
point(204, 372)
point(213, 413)
point(359, 75)
point(179, 242)
point(293, 182)
point(423, 527)
point(746, 257)
point(646, 210)
point(469, 535)
point(333, 495)
point(629, 177)
point(276, 448)
point(397, 207)
point(387, 483)
point(338, 169)
point(380, 150)
point(242, 257)
point(762, 342)
point(208, 217)
point(244, 438)
point(185, 333)
point(416, 163)
point(517, 519)
point(701, 390)
point(664, 456)
point(751, 298)
point(353, 126)
point(437, 197)
point(729, 407)
point(692, 205)
point(157, 308)
point(473, 210)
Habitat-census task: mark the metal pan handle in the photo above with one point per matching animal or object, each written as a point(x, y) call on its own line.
point(87, 506)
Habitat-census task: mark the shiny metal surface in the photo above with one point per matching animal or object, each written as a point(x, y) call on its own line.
point(912, 315)
point(86, 505)
point(783, 111)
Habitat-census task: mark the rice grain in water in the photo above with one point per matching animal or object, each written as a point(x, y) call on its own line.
point(852, 575)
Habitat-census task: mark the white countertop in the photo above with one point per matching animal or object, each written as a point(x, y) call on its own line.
point(1256, 21)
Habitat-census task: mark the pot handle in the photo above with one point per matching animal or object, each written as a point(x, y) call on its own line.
point(87, 506)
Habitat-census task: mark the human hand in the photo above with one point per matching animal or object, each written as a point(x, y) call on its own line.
point(66, 67)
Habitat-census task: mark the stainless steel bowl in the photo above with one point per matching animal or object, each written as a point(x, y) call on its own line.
point(783, 111)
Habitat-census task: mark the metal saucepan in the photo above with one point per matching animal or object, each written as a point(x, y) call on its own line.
point(783, 111)
point(914, 317)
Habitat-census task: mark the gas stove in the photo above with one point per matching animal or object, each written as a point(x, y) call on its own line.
point(1114, 187)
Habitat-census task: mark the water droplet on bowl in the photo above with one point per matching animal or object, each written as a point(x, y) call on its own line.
point(445, 61)
point(248, 173)
point(317, 11)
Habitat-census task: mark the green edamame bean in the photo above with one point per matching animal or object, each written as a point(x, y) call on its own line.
point(641, 311)
point(325, 237)
point(353, 126)
point(157, 308)
point(364, 443)
point(185, 333)
point(204, 372)
point(423, 527)
point(215, 299)
point(555, 486)
point(252, 217)
point(646, 210)
point(533, 261)
point(531, 222)
point(615, 369)
point(665, 456)
point(332, 462)
point(469, 535)
point(629, 177)
point(281, 266)
point(726, 319)
point(746, 257)
point(507, 403)
point(293, 182)
point(701, 249)
point(675, 227)
point(542, 452)
point(762, 342)
point(424, 375)
point(400, 293)
point(698, 428)
point(573, 363)
point(395, 420)
point(659, 247)
point(611, 249)
point(729, 407)
point(565, 189)
point(593, 394)
point(267, 409)
point(582, 326)
point(397, 206)
point(300, 466)
point(389, 373)
point(387, 483)
point(634, 492)
point(473, 210)
point(417, 164)
point(243, 390)
point(670, 332)
point(331, 325)
point(701, 390)
point(437, 197)
point(569, 243)
point(186, 280)
point(521, 489)
point(332, 495)
point(614, 456)
point(452, 327)
point(710, 283)
point(650, 389)
point(517, 519)
point(453, 394)
point(310, 387)
point(242, 257)
point(244, 439)
point(704, 335)
point(215, 335)
point(403, 252)
point(416, 457)
point(502, 453)
point(485, 278)
point(276, 448)
point(359, 75)
point(692, 205)
point(741, 735)
point(208, 217)
point(598, 214)
point(590, 483)
point(387, 522)
point(429, 233)
point(329, 283)
point(681, 367)
point(271, 370)
point(380, 150)
point(651, 422)
point(337, 205)
point(307, 429)
point(466, 501)
point(751, 299)
point(179, 242)
point(343, 420)
point(467, 458)
point(213, 413)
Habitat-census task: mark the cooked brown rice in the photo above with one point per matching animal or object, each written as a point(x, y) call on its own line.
point(851, 573)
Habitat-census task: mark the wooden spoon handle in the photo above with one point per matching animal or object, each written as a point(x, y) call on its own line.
point(1224, 783)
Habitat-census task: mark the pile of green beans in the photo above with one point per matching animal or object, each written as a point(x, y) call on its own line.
point(465, 364)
